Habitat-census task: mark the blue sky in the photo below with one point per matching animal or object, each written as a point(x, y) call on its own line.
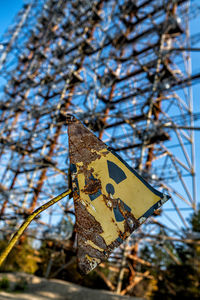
point(8, 10)
point(195, 57)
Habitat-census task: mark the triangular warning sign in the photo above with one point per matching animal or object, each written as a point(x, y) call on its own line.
point(111, 199)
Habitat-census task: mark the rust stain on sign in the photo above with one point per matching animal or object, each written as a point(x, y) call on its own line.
point(83, 144)
point(111, 200)
point(92, 186)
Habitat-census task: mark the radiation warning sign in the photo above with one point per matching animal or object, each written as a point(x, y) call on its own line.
point(111, 199)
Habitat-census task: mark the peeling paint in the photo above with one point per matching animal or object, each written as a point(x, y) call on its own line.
point(111, 200)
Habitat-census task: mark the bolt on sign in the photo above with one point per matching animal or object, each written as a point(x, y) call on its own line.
point(111, 199)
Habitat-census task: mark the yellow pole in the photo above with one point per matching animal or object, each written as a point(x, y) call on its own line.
point(25, 224)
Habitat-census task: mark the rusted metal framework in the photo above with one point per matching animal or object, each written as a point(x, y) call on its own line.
point(123, 68)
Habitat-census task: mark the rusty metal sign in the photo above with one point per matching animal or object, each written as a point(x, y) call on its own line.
point(111, 199)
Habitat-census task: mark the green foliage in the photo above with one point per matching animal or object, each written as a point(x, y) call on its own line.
point(45, 256)
point(177, 271)
point(178, 282)
point(94, 281)
point(20, 285)
point(156, 255)
point(70, 272)
point(194, 220)
point(173, 274)
point(22, 258)
point(58, 260)
point(4, 284)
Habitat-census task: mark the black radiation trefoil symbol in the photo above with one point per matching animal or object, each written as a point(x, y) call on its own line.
point(118, 175)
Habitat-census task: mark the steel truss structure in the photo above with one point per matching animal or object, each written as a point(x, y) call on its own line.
point(123, 68)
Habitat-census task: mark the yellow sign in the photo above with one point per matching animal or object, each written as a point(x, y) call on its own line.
point(111, 199)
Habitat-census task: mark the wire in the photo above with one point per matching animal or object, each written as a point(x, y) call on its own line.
point(25, 224)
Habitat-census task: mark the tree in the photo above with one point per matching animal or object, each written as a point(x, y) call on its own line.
point(177, 277)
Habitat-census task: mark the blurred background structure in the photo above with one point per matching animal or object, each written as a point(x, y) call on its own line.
point(123, 67)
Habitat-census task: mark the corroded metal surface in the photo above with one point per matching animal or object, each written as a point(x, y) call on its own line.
point(111, 200)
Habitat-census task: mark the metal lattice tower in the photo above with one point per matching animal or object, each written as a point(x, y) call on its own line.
point(124, 69)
